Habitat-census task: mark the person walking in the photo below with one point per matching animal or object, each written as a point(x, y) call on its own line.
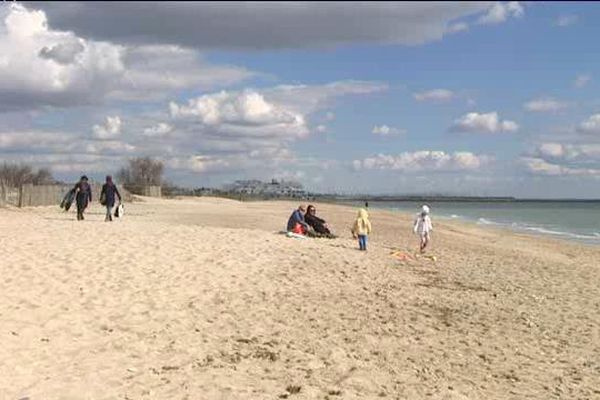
point(362, 229)
point(83, 196)
point(107, 197)
point(423, 227)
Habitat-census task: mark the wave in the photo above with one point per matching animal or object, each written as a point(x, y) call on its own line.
point(594, 236)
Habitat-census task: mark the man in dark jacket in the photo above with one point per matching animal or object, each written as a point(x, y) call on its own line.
point(107, 196)
point(83, 196)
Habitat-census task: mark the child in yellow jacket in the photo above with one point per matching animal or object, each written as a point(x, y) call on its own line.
point(362, 228)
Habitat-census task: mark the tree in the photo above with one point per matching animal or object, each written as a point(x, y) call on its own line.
point(15, 175)
point(141, 172)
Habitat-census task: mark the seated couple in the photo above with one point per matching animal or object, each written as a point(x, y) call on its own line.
point(306, 222)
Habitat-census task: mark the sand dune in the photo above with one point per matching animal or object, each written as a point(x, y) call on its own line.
point(202, 299)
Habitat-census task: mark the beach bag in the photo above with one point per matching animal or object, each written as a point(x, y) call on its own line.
point(103, 199)
point(119, 211)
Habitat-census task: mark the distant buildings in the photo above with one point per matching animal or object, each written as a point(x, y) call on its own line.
point(274, 188)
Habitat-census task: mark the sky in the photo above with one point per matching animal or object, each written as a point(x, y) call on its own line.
point(454, 98)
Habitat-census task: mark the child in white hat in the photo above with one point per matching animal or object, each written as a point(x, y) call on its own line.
point(423, 226)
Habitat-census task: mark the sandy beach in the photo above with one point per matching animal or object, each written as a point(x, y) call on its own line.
point(203, 299)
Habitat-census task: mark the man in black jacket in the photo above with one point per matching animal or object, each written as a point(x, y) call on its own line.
point(83, 196)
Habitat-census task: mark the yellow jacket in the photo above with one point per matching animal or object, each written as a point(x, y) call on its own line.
point(362, 225)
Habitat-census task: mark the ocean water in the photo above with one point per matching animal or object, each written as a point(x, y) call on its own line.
point(568, 220)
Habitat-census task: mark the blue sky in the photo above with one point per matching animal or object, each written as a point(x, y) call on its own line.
point(488, 98)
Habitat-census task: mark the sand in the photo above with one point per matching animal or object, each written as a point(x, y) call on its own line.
point(202, 299)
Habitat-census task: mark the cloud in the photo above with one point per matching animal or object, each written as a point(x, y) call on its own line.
point(484, 123)
point(567, 152)
point(538, 166)
point(385, 130)
point(563, 159)
point(272, 25)
point(63, 53)
point(109, 129)
point(458, 27)
point(426, 160)
point(590, 125)
point(246, 113)
point(501, 11)
point(158, 130)
point(112, 147)
point(545, 104)
point(566, 20)
point(33, 140)
point(251, 128)
point(40, 66)
point(582, 80)
point(321, 128)
point(435, 95)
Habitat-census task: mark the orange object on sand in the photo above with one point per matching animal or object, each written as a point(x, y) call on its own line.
point(298, 229)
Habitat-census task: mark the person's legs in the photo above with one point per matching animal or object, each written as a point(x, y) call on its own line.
point(79, 210)
point(362, 242)
point(108, 213)
point(424, 240)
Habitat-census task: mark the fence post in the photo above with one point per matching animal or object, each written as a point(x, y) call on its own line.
point(25, 194)
point(3, 198)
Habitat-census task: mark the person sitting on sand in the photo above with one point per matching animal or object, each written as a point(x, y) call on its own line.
point(107, 196)
point(83, 195)
point(296, 222)
point(423, 227)
point(362, 228)
point(319, 225)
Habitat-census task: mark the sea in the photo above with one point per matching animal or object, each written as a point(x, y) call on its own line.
point(572, 220)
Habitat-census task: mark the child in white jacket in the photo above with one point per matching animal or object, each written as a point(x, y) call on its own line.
point(422, 227)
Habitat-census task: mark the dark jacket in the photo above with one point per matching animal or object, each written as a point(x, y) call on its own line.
point(109, 191)
point(296, 218)
point(84, 193)
point(317, 223)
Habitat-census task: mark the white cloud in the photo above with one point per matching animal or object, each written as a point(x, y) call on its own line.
point(112, 146)
point(33, 140)
point(566, 20)
point(568, 152)
point(501, 11)
point(590, 125)
point(545, 104)
point(426, 160)
point(321, 128)
point(458, 27)
point(436, 95)
point(385, 130)
point(158, 130)
point(538, 166)
point(109, 129)
point(244, 130)
point(246, 113)
point(40, 66)
point(483, 122)
point(582, 80)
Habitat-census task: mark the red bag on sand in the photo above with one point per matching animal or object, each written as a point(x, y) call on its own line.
point(298, 229)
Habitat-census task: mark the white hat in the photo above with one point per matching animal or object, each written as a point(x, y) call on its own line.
point(425, 209)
